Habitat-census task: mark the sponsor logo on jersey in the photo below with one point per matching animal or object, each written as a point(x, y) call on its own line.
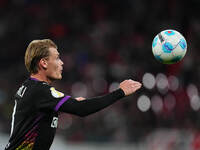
point(56, 93)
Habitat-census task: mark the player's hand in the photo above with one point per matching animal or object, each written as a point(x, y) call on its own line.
point(130, 86)
point(80, 98)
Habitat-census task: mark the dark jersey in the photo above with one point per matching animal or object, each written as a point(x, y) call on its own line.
point(35, 113)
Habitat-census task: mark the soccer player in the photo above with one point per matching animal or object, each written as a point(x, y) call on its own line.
point(37, 103)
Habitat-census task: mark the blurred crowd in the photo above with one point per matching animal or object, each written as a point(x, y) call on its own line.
point(102, 43)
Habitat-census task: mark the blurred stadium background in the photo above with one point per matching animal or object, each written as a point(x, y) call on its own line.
point(102, 43)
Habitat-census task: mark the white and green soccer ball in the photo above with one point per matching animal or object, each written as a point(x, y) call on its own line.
point(169, 46)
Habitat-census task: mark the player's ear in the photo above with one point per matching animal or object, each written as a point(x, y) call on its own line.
point(43, 63)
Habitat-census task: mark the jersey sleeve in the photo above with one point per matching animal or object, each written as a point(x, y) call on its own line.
point(50, 99)
point(54, 100)
point(89, 106)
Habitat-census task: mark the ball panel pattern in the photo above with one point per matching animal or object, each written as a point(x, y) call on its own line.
point(169, 46)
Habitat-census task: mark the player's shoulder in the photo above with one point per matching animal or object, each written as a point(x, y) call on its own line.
point(42, 88)
point(35, 86)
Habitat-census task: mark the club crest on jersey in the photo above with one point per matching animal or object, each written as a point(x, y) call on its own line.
point(56, 93)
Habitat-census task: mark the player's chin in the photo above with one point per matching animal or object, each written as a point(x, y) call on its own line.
point(59, 77)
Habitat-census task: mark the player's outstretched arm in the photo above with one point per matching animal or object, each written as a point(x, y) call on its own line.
point(83, 107)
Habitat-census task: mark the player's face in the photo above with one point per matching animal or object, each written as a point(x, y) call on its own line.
point(54, 65)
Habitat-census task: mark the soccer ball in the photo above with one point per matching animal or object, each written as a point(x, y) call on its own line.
point(169, 46)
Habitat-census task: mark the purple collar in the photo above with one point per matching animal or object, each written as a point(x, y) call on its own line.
point(34, 79)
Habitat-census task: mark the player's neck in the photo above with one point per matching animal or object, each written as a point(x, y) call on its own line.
point(40, 77)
